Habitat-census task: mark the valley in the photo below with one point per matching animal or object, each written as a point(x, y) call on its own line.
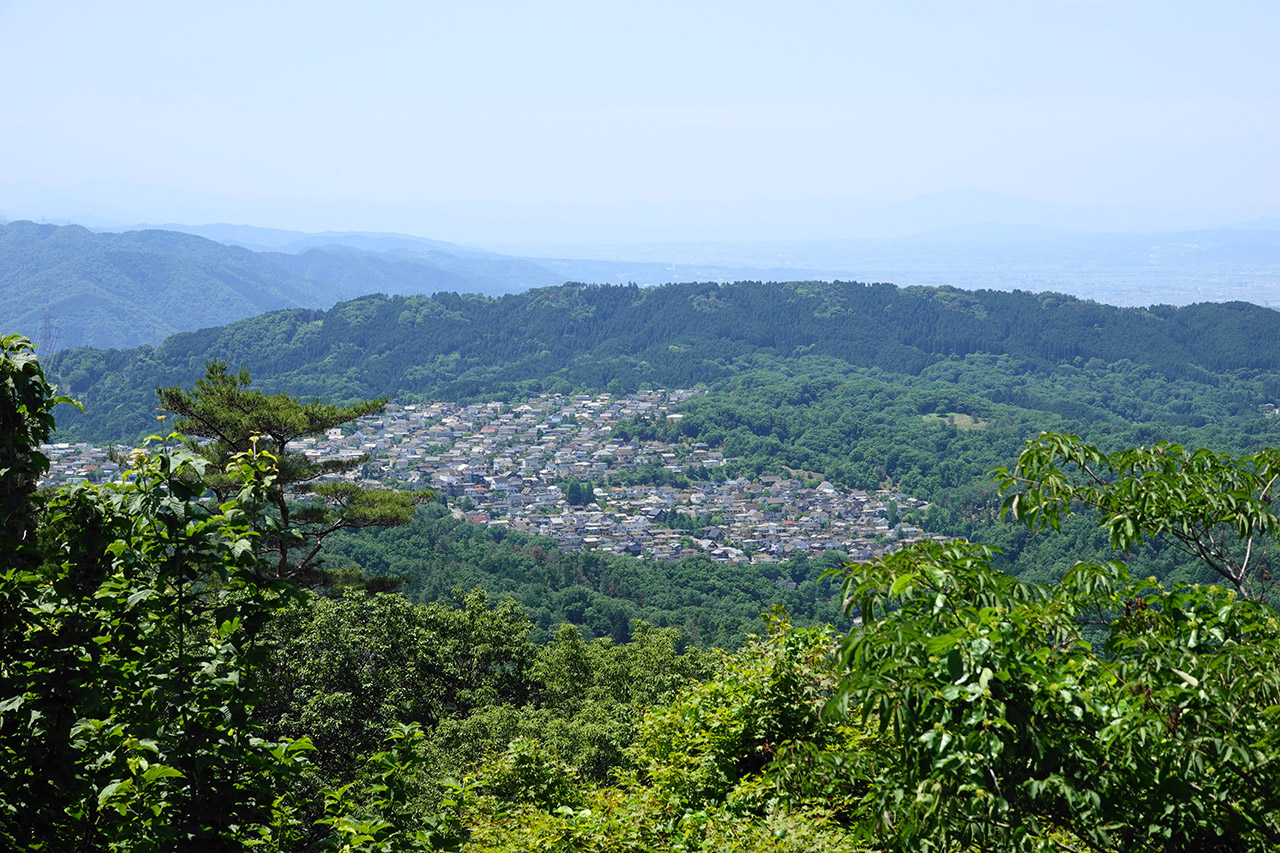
point(640, 427)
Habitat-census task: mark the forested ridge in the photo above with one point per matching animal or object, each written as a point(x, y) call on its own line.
point(572, 337)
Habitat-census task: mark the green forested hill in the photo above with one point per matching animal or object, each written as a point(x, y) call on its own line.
point(620, 337)
point(118, 289)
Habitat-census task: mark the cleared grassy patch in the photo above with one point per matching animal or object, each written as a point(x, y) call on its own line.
point(959, 420)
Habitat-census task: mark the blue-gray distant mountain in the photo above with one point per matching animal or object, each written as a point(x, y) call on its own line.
point(356, 263)
point(138, 287)
point(280, 240)
point(352, 272)
point(68, 286)
point(408, 264)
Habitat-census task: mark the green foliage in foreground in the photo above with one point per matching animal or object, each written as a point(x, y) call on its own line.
point(970, 712)
point(159, 691)
point(1214, 508)
point(733, 764)
point(130, 653)
point(344, 672)
point(1014, 731)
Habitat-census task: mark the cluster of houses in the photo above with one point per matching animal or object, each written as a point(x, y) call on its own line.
point(508, 465)
point(553, 467)
point(79, 462)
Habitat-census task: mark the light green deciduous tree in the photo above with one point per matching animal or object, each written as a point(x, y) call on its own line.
point(1213, 507)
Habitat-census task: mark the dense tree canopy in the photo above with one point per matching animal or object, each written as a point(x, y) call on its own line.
point(128, 669)
point(162, 688)
point(1215, 508)
point(451, 346)
point(1101, 713)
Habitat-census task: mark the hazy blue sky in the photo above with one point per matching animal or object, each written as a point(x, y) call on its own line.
point(1164, 103)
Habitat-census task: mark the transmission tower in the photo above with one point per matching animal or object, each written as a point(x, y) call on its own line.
point(47, 333)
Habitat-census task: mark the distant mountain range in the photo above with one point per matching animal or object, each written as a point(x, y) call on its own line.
point(1239, 263)
point(525, 228)
point(137, 287)
point(69, 286)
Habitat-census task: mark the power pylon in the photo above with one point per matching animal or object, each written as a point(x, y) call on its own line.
point(47, 333)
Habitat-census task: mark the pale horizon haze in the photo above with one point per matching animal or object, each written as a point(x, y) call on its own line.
point(459, 117)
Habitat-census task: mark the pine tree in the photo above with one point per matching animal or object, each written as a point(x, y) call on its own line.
point(222, 416)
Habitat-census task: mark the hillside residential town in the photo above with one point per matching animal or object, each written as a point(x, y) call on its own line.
point(518, 465)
